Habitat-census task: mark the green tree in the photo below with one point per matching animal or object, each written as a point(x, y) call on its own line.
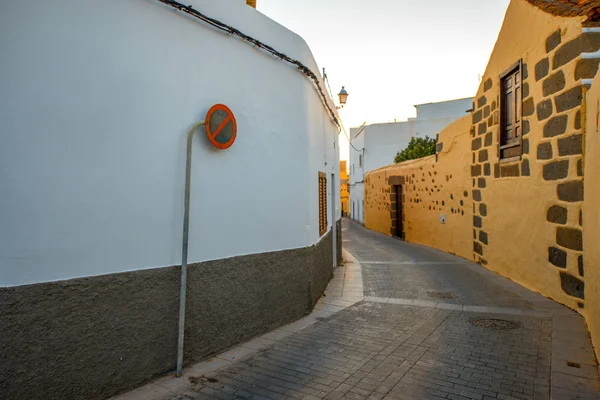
point(417, 148)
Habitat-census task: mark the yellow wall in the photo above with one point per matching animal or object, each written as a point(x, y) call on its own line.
point(507, 224)
point(344, 189)
point(591, 214)
point(431, 189)
point(519, 234)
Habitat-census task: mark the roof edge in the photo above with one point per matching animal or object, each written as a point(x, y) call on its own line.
point(569, 8)
point(444, 101)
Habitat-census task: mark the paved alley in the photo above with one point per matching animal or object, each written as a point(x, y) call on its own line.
point(402, 321)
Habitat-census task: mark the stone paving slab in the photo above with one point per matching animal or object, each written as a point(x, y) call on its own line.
point(378, 350)
point(381, 350)
point(380, 347)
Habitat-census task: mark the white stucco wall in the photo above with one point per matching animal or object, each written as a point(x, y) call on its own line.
point(356, 173)
point(444, 109)
point(357, 199)
point(97, 98)
point(383, 141)
point(357, 148)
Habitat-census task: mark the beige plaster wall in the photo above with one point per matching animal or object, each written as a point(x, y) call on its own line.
point(591, 214)
point(522, 218)
point(431, 189)
point(517, 194)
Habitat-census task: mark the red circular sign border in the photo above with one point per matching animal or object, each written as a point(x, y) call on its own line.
point(210, 135)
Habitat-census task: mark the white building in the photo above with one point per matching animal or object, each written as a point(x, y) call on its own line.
point(97, 98)
point(374, 146)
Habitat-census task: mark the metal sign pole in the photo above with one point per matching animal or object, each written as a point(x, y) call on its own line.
point(221, 131)
point(184, 251)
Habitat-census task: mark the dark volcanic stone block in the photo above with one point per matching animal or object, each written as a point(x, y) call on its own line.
point(509, 170)
point(487, 85)
point(483, 156)
point(544, 151)
point(477, 248)
point(481, 101)
point(553, 41)
point(556, 126)
point(557, 257)
point(544, 109)
point(525, 171)
point(556, 170)
point(483, 209)
point(488, 139)
point(571, 145)
point(542, 68)
point(483, 237)
point(572, 286)
point(557, 214)
point(554, 83)
point(571, 191)
point(570, 99)
point(586, 68)
point(570, 238)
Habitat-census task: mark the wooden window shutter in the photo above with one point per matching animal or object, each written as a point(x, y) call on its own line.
point(510, 112)
point(322, 203)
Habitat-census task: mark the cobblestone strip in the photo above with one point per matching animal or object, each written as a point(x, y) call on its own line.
point(458, 307)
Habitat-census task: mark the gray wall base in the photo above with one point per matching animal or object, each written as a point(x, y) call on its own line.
point(91, 338)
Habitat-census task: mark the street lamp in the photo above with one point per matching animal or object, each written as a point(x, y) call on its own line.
point(343, 96)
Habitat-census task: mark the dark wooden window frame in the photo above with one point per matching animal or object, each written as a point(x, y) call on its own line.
point(397, 211)
point(322, 203)
point(517, 146)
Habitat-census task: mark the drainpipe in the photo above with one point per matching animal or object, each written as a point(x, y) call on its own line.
point(251, 3)
point(184, 251)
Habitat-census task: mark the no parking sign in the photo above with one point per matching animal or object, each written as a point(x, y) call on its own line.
point(221, 127)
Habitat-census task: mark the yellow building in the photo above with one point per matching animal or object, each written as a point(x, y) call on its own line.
point(506, 187)
point(344, 189)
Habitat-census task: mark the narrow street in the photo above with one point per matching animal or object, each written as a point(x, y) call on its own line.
point(431, 326)
point(423, 217)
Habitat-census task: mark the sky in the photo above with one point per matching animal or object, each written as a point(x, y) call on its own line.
point(393, 54)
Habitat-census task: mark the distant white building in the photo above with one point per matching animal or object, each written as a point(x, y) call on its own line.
point(374, 146)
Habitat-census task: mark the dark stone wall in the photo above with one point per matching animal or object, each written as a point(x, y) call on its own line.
point(91, 338)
